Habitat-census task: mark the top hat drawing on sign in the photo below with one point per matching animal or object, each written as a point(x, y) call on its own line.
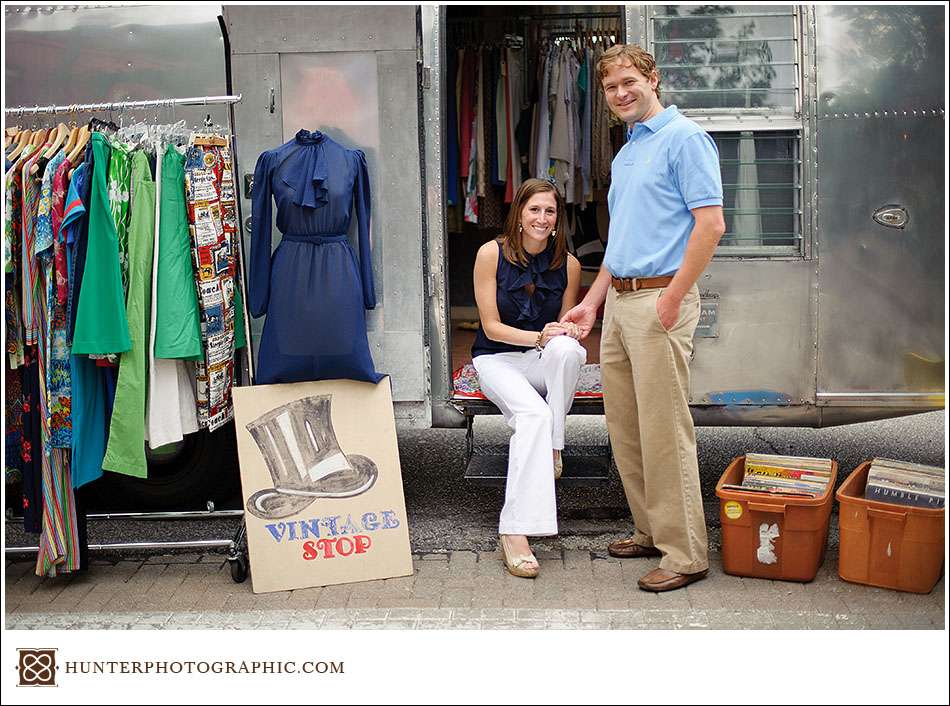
point(304, 458)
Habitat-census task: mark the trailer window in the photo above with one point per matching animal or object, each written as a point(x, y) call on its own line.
point(714, 57)
point(735, 69)
point(760, 185)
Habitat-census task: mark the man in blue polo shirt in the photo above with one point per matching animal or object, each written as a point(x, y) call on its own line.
point(666, 219)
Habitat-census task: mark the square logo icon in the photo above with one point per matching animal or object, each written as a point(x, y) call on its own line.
point(37, 667)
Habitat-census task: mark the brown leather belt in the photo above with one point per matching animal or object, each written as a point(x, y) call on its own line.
point(632, 284)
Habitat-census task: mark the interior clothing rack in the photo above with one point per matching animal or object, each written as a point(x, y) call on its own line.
point(536, 17)
point(236, 546)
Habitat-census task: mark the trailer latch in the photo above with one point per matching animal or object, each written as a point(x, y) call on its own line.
point(892, 216)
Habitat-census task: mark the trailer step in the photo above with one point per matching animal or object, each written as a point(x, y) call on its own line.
point(583, 469)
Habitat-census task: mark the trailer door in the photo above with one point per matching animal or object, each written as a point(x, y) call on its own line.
point(881, 206)
point(350, 72)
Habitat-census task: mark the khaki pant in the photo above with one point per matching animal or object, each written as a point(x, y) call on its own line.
point(645, 372)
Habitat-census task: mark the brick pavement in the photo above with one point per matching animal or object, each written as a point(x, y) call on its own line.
point(577, 589)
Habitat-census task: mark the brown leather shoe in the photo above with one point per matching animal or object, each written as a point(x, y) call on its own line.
point(629, 549)
point(660, 580)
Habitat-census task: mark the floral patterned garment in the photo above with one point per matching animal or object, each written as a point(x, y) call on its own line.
point(58, 370)
point(55, 355)
point(119, 177)
point(12, 226)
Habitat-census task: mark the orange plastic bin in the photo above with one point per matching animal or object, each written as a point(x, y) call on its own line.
point(770, 536)
point(887, 545)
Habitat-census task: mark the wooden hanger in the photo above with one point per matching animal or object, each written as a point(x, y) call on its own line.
point(53, 142)
point(39, 137)
point(81, 141)
point(23, 139)
point(72, 137)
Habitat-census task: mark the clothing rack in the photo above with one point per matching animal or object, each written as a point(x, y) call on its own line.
point(121, 105)
point(236, 558)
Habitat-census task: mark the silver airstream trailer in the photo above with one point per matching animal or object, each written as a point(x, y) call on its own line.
point(825, 303)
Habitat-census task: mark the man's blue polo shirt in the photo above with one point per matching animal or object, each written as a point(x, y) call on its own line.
point(668, 166)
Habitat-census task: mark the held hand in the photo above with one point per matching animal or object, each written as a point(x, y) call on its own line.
point(583, 317)
point(553, 329)
point(667, 310)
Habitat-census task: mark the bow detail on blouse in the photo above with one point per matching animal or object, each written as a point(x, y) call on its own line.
point(545, 281)
point(311, 169)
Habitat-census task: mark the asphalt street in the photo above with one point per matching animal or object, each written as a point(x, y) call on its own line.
point(448, 513)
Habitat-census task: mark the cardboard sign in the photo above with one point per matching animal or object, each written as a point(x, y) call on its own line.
point(321, 483)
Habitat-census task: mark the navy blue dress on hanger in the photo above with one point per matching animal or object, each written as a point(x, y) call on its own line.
point(312, 288)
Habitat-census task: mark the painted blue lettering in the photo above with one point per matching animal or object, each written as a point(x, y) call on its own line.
point(310, 528)
point(390, 521)
point(349, 527)
point(277, 529)
point(370, 521)
point(330, 524)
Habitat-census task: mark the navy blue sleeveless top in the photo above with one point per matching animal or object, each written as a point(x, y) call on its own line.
point(519, 309)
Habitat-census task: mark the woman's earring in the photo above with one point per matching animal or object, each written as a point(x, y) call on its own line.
point(553, 233)
point(520, 228)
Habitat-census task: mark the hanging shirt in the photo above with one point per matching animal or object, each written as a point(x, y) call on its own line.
point(30, 280)
point(12, 264)
point(101, 323)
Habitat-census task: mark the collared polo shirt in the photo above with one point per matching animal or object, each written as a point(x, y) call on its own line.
point(668, 166)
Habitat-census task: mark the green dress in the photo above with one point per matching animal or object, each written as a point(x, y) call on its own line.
point(126, 450)
point(101, 324)
point(177, 320)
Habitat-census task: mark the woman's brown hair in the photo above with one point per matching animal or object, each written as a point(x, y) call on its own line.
point(511, 246)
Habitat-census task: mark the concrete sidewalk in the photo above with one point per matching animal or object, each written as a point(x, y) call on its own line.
point(577, 589)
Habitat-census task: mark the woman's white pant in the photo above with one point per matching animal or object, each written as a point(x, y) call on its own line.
point(534, 392)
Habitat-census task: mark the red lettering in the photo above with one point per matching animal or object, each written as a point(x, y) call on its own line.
point(327, 546)
point(344, 546)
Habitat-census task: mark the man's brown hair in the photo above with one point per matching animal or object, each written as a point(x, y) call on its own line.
point(641, 60)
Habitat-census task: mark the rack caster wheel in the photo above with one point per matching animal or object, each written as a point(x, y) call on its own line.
point(238, 569)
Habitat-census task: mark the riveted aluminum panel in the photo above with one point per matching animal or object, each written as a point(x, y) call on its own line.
point(259, 130)
point(364, 97)
point(880, 57)
point(58, 55)
point(300, 28)
point(400, 225)
point(764, 354)
point(882, 301)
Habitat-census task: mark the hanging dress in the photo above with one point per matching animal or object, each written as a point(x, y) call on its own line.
point(212, 221)
point(176, 325)
point(312, 288)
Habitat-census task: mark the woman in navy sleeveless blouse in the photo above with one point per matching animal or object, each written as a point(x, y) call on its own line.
point(527, 362)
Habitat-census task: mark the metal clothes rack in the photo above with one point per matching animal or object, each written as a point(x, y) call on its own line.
point(121, 105)
point(235, 553)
